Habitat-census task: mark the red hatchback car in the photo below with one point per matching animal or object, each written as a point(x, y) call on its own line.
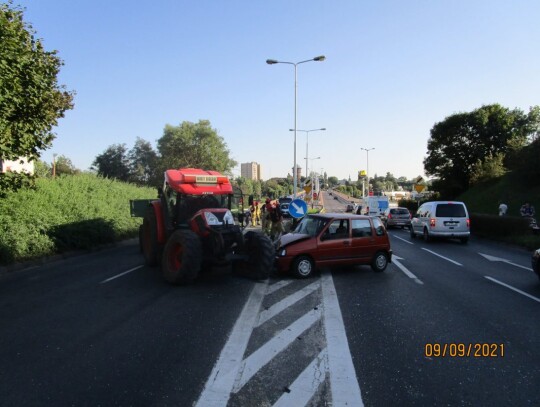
point(334, 239)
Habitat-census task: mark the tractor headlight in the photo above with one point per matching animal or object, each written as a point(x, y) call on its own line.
point(283, 252)
point(228, 219)
point(212, 219)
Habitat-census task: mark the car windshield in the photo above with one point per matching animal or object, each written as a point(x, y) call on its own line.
point(399, 211)
point(310, 225)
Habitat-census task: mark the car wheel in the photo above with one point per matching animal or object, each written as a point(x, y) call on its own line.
point(427, 238)
point(411, 231)
point(380, 261)
point(303, 267)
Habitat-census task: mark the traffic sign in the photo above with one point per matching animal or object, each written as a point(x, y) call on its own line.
point(315, 195)
point(419, 188)
point(298, 208)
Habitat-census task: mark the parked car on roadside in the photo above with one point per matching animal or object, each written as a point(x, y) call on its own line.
point(535, 261)
point(284, 203)
point(398, 217)
point(333, 239)
point(441, 219)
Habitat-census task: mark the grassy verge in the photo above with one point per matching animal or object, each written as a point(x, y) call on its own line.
point(70, 212)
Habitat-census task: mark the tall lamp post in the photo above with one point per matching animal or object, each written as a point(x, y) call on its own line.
point(367, 150)
point(312, 183)
point(295, 64)
point(307, 144)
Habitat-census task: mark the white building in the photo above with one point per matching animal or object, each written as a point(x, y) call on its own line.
point(251, 170)
point(20, 165)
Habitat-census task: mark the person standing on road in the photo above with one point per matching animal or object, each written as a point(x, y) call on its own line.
point(276, 216)
point(527, 210)
point(503, 209)
point(265, 216)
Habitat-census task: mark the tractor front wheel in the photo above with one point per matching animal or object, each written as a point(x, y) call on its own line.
point(261, 254)
point(182, 257)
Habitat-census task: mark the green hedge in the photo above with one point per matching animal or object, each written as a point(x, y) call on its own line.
point(498, 226)
point(69, 212)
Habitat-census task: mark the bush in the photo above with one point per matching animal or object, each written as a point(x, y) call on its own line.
point(66, 213)
point(499, 226)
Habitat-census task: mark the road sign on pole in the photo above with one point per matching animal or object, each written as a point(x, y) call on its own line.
point(298, 208)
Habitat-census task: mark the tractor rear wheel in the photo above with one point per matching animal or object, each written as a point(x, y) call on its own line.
point(182, 257)
point(150, 247)
point(261, 254)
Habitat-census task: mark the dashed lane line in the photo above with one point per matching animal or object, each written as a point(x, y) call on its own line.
point(513, 289)
point(396, 261)
point(442, 257)
point(121, 274)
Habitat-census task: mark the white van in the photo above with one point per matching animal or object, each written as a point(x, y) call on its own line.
point(376, 204)
point(447, 219)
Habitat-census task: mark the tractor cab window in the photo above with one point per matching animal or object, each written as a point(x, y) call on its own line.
point(170, 196)
point(188, 205)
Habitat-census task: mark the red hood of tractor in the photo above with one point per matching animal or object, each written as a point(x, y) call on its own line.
point(194, 181)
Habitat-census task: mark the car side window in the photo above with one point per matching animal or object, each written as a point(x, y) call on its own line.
point(361, 228)
point(338, 229)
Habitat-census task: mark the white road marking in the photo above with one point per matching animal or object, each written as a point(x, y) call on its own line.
point(277, 286)
point(344, 385)
point(493, 258)
point(513, 288)
point(287, 302)
point(395, 260)
point(400, 238)
point(258, 359)
point(121, 274)
point(306, 385)
point(218, 388)
point(442, 257)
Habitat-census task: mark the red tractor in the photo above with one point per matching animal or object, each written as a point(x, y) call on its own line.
point(191, 228)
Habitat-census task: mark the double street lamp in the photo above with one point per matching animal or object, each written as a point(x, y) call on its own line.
point(367, 150)
point(307, 144)
point(295, 64)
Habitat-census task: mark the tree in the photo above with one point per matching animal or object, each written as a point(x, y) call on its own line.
point(461, 141)
point(489, 168)
point(332, 181)
point(113, 163)
point(143, 161)
point(194, 145)
point(64, 166)
point(42, 169)
point(31, 100)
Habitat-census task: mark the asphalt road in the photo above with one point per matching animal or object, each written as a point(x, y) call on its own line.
point(81, 332)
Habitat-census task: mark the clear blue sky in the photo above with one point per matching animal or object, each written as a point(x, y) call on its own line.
point(393, 69)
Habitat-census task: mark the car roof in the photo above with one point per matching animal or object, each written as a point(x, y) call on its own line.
point(339, 215)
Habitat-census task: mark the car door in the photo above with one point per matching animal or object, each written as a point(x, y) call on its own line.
point(363, 242)
point(334, 246)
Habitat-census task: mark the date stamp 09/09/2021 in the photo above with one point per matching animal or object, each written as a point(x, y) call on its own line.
point(464, 350)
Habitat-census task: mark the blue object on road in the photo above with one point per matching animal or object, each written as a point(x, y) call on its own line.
point(298, 208)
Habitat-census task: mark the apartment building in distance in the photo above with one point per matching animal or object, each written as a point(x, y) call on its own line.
point(251, 170)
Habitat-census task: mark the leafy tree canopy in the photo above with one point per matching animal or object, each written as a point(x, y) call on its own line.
point(113, 163)
point(31, 100)
point(194, 145)
point(463, 140)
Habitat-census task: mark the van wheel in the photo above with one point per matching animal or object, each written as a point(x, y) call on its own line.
point(379, 263)
point(411, 231)
point(427, 238)
point(303, 267)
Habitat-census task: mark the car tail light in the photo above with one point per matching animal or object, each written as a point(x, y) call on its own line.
point(389, 216)
point(432, 223)
point(468, 223)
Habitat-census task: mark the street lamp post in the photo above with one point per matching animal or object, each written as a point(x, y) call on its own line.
point(312, 183)
point(367, 150)
point(295, 64)
point(307, 144)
